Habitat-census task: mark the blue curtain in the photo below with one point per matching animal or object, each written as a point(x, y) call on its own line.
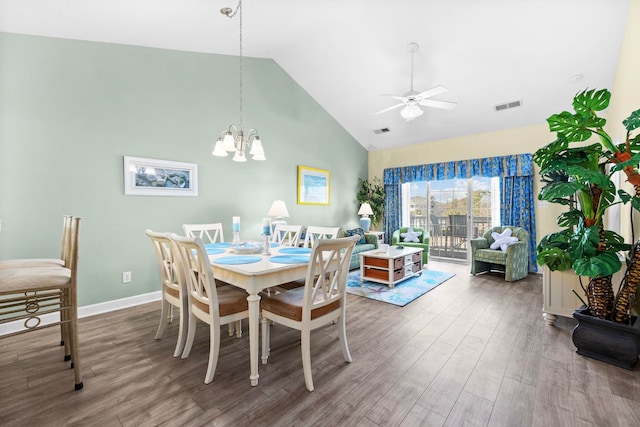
point(516, 189)
point(393, 202)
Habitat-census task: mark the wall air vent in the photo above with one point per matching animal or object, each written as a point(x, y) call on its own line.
point(508, 105)
point(380, 131)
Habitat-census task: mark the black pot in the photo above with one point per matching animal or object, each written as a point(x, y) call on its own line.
point(607, 341)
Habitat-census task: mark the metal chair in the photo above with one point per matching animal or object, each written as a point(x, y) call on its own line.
point(31, 290)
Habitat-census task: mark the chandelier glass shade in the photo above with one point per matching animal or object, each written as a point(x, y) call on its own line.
point(240, 143)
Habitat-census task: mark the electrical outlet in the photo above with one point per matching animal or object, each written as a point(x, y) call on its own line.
point(126, 277)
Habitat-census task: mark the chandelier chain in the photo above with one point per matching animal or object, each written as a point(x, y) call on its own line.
point(241, 65)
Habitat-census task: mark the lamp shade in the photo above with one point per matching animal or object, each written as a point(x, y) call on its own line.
point(365, 209)
point(278, 209)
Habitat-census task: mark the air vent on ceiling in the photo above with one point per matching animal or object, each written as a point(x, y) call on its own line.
point(379, 131)
point(508, 105)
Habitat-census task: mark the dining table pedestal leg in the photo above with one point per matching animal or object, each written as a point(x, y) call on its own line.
point(254, 326)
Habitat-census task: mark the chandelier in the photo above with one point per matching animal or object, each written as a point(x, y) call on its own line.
point(238, 144)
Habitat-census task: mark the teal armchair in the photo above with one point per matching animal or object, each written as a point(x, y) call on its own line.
point(514, 262)
point(396, 239)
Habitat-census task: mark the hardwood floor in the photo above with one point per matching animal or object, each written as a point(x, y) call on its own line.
point(475, 351)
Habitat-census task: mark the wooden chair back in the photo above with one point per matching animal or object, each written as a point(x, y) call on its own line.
point(174, 294)
point(208, 233)
point(314, 232)
point(287, 235)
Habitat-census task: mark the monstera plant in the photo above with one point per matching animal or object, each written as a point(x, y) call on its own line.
point(576, 170)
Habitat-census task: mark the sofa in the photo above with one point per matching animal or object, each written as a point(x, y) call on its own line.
point(367, 242)
point(397, 239)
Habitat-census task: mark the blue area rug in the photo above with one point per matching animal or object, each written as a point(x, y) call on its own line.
point(402, 293)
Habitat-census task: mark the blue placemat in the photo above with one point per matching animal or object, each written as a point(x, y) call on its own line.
point(214, 251)
point(290, 259)
point(217, 245)
point(237, 259)
point(295, 251)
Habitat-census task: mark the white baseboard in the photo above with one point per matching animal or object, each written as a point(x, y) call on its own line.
point(88, 310)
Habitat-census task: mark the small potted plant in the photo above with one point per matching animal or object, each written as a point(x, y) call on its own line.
point(373, 193)
point(577, 174)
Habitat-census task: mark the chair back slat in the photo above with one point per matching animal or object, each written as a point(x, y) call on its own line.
point(194, 271)
point(208, 233)
point(286, 235)
point(314, 232)
point(326, 277)
point(162, 247)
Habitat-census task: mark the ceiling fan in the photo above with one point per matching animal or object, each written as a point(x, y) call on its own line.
point(412, 100)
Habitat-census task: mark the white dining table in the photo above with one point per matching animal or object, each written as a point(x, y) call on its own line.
point(253, 278)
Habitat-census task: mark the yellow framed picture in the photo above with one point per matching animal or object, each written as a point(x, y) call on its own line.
point(314, 186)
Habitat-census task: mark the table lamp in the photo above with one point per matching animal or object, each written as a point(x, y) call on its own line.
point(365, 211)
point(279, 211)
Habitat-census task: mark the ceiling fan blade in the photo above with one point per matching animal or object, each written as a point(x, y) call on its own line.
point(389, 108)
point(432, 92)
point(447, 105)
point(400, 97)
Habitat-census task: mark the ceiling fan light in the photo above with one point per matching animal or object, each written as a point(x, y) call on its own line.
point(411, 111)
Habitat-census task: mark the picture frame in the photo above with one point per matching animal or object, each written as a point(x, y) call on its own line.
point(154, 177)
point(314, 186)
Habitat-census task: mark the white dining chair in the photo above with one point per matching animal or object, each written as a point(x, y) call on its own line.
point(321, 301)
point(209, 233)
point(174, 294)
point(286, 235)
point(314, 232)
point(211, 304)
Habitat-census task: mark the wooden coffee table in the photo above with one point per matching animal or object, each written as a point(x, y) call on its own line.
point(392, 266)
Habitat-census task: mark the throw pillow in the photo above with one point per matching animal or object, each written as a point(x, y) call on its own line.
point(502, 240)
point(411, 236)
point(356, 231)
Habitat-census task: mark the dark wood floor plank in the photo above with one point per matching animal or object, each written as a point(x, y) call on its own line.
point(473, 351)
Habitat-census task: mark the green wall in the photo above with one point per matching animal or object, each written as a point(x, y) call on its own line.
point(70, 111)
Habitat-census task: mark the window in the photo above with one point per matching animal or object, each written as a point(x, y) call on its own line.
point(445, 209)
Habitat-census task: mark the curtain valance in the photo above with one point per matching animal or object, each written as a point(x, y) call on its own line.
point(502, 166)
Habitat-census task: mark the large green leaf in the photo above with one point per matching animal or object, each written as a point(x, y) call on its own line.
point(633, 121)
point(591, 99)
point(585, 241)
point(558, 190)
point(601, 264)
point(624, 196)
point(575, 127)
point(554, 258)
point(548, 153)
point(615, 242)
point(589, 176)
point(570, 218)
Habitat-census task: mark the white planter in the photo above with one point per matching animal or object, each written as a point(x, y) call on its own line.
point(557, 296)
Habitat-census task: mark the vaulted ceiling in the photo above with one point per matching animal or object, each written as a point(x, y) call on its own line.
point(347, 54)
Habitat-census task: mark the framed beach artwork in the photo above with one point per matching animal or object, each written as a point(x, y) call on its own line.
point(314, 186)
point(153, 177)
